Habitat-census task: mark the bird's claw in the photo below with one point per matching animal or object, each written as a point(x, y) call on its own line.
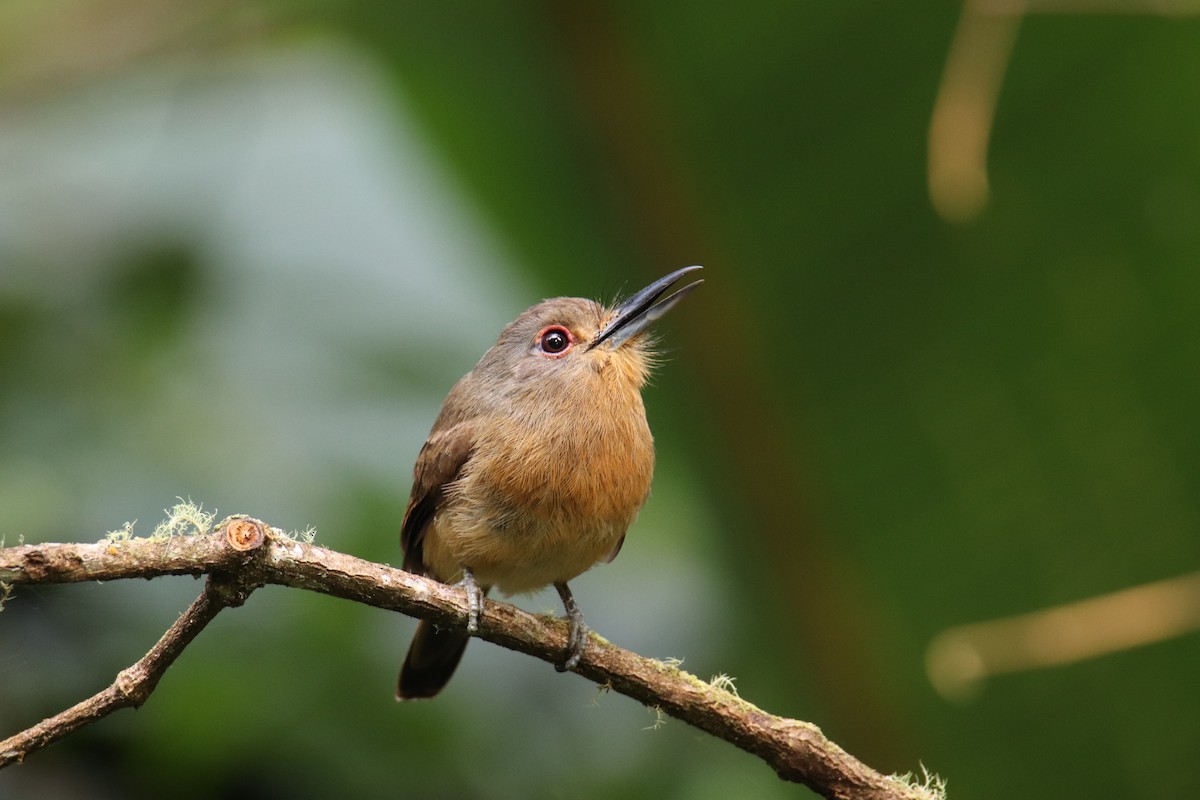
point(576, 643)
point(474, 600)
point(577, 630)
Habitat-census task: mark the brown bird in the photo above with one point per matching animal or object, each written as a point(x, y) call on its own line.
point(536, 466)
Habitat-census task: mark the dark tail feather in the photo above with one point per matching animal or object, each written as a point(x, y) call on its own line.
point(432, 658)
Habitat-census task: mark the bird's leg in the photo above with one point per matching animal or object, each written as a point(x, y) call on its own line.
point(474, 599)
point(577, 629)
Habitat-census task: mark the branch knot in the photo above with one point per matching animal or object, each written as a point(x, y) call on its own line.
point(245, 533)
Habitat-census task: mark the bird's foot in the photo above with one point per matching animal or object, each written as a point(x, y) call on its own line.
point(474, 599)
point(577, 633)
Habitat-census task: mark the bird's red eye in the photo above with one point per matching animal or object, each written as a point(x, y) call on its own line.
point(554, 341)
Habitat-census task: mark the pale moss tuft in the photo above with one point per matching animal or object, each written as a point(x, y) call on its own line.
point(122, 534)
point(306, 536)
point(601, 689)
point(660, 719)
point(670, 665)
point(183, 519)
point(724, 682)
point(929, 786)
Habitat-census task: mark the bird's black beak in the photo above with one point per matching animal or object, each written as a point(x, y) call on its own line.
point(640, 310)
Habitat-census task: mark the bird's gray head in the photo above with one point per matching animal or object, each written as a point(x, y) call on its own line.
point(577, 340)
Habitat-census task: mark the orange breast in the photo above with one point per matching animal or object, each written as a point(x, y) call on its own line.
point(544, 499)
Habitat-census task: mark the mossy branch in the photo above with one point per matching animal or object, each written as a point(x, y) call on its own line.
point(243, 554)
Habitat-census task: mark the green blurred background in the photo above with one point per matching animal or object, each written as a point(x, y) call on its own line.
point(246, 248)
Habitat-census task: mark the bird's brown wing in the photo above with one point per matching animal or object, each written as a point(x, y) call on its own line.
point(441, 460)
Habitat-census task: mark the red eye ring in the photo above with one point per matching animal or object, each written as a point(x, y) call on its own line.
point(554, 341)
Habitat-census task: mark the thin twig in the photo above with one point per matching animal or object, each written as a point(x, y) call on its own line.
point(237, 562)
point(132, 686)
